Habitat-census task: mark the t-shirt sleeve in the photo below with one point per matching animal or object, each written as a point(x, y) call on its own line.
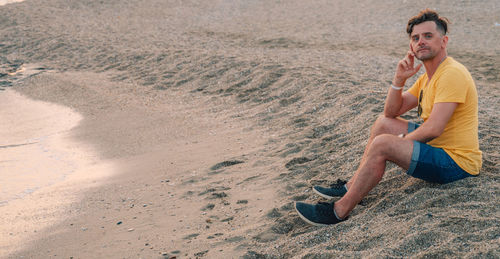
point(415, 88)
point(451, 87)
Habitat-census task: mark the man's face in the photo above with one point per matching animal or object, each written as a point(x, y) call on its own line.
point(426, 41)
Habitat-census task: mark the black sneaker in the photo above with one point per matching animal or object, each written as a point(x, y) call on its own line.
point(320, 214)
point(337, 189)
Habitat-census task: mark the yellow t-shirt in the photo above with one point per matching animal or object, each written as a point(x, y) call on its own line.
point(452, 82)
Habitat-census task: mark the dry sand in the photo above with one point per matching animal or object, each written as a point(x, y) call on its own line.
point(203, 121)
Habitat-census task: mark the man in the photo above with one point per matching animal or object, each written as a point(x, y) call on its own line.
point(443, 149)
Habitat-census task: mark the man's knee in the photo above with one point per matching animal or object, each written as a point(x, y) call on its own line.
point(381, 125)
point(386, 125)
point(393, 148)
point(381, 142)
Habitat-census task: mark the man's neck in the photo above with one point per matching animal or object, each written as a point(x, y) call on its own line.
point(432, 65)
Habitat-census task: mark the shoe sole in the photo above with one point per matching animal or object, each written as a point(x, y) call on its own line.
point(322, 195)
point(307, 220)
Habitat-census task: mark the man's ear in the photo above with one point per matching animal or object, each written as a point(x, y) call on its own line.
point(444, 41)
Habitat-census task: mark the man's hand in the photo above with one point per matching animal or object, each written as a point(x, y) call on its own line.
point(405, 69)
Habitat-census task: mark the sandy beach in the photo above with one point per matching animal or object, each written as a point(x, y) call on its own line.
point(188, 129)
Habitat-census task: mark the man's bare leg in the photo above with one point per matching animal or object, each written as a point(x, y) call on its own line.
point(383, 125)
point(385, 147)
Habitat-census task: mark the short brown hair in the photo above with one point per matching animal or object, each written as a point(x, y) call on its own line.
point(428, 15)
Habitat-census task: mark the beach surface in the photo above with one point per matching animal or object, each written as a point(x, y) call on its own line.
point(188, 129)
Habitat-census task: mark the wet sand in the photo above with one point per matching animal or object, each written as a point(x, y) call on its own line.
point(4, 2)
point(42, 167)
point(207, 120)
point(31, 150)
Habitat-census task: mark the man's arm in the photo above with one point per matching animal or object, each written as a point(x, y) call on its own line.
point(434, 126)
point(397, 102)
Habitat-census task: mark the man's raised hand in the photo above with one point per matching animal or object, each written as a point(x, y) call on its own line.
point(405, 69)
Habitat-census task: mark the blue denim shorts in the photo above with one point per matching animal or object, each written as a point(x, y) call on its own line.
point(433, 164)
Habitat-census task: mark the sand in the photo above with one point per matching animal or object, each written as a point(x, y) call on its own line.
point(42, 167)
point(199, 123)
point(33, 130)
point(4, 2)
